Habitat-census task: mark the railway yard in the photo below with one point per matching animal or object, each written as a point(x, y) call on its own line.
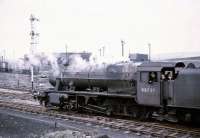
point(18, 109)
point(99, 69)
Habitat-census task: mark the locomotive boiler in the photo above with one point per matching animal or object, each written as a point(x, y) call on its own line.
point(113, 78)
point(162, 90)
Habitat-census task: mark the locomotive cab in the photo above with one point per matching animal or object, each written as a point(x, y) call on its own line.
point(150, 89)
point(172, 88)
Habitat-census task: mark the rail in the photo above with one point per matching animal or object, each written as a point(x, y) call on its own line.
point(141, 128)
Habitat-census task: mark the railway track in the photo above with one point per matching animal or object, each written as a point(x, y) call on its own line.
point(20, 102)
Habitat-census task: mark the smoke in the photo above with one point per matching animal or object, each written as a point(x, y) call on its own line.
point(45, 59)
point(76, 63)
point(55, 69)
point(33, 60)
point(99, 64)
point(39, 60)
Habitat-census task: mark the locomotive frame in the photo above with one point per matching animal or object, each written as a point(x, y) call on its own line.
point(162, 90)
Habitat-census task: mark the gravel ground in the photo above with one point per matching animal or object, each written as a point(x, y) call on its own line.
point(12, 126)
point(15, 124)
point(22, 81)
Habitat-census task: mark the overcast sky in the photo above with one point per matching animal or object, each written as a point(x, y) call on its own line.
point(169, 25)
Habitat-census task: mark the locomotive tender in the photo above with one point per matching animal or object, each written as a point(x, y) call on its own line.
point(161, 90)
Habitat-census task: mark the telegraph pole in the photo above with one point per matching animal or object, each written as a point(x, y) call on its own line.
point(149, 46)
point(66, 53)
point(100, 52)
point(103, 49)
point(4, 55)
point(34, 36)
point(122, 43)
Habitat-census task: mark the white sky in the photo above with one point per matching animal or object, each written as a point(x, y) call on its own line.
point(169, 25)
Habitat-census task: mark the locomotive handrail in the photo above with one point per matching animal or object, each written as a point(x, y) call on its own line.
point(99, 75)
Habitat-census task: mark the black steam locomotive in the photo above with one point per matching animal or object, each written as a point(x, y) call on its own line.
point(162, 90)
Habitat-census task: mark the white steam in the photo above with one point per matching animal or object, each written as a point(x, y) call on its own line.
point(38, 60)
point(99, 64)
point(54, 65)
point(78, 64)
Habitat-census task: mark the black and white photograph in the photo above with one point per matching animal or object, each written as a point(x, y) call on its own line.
point(99, 68)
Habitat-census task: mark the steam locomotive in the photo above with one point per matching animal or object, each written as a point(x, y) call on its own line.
point(161, 90)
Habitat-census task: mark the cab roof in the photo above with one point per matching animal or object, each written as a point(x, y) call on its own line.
point(155, 66)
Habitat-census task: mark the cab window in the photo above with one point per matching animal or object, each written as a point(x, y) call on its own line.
point(153, 77)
